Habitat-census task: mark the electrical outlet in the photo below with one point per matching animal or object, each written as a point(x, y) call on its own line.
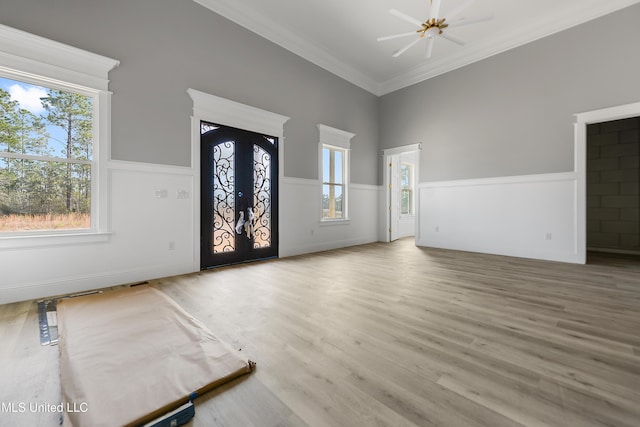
point(548, 236)
point(161, 193)
point(437, 229)
point(172, 245)
point(182, 194)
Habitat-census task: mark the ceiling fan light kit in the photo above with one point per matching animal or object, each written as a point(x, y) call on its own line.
point(433, 27)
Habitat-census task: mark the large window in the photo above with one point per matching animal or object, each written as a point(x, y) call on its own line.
point(334, 172)
point(54, 137)
point(46, 157)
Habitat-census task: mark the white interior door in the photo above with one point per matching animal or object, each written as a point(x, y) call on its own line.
point(401, 174)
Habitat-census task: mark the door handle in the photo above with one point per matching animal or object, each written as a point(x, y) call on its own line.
point(240, 194)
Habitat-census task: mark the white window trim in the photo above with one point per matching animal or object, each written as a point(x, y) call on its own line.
point(338, 139)
point(34, 59)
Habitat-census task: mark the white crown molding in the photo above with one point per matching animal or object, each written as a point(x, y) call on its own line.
point(335, 137)
point(244, 16)
point(272, 31)
point(47, 58)
point(402, 149)
point(234, 114)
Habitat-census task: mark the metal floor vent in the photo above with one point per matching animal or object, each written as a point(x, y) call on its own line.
point(48, 318)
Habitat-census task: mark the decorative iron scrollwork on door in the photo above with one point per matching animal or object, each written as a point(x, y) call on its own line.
point(239, 188)
point(222, 165)
point(261, 197)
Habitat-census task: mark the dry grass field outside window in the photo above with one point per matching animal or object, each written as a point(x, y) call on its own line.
point(70, 221)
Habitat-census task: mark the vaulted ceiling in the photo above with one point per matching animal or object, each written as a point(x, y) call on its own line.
point(340, 35)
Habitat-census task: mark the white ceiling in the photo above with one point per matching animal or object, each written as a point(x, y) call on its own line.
point(340, 35)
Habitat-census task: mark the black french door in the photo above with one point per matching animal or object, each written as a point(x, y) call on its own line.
point(239, 195)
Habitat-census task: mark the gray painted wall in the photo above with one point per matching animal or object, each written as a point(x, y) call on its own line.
point(167, 46)
point(511, 114)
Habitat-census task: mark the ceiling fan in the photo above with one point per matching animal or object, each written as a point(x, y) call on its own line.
point(434, 26)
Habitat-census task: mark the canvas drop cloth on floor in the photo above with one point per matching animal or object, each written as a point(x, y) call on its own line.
point(130, 355)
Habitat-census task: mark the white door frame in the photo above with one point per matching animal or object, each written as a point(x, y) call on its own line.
point(214, 109)
point(387, 154)
point(580, 133)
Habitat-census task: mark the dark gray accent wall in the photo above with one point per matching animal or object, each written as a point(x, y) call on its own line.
point(167, 46)
point(613, 185)
point(512, 114)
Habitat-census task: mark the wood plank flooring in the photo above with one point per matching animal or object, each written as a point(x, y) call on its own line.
point(395, 335)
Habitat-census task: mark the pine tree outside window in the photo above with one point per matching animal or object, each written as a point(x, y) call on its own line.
point(46, 156)
point(55, 121)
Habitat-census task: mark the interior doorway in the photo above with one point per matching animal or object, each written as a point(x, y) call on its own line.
point(401, 182)
point(613, 186)
point(580, 131)
point(239, 195)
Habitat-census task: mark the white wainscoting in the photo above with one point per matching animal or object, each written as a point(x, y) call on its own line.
point(150, 237)
point(533, 216)
point(301, 230)
point(152, 233)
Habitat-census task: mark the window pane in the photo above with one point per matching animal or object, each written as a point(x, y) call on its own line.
point(339, 202)
point(41, 121)
point(325, 165)
point(332, 201)
point(39, 195)
point(405, 175)
point(338, 166)
point(406, 205)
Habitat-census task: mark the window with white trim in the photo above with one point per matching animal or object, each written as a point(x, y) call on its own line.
point(335, 146)
point(333, 184)
point(54, 138)
point(46, 156)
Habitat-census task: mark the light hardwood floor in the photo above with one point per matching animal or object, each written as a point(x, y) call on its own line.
point(395, 335)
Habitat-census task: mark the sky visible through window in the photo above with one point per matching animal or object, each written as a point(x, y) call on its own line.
point(28, 96)
point(46, 151)
point(325, 166)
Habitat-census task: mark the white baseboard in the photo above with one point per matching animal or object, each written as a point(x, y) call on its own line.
point(69, 285)
point(327, 246)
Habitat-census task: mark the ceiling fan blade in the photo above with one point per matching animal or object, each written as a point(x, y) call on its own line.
point(395, 36)
point(430, 47)
point(452, 39)
point(434, 13)
point(455, 12)
point(406, 17)
point(463, 22)
point(404, 49)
